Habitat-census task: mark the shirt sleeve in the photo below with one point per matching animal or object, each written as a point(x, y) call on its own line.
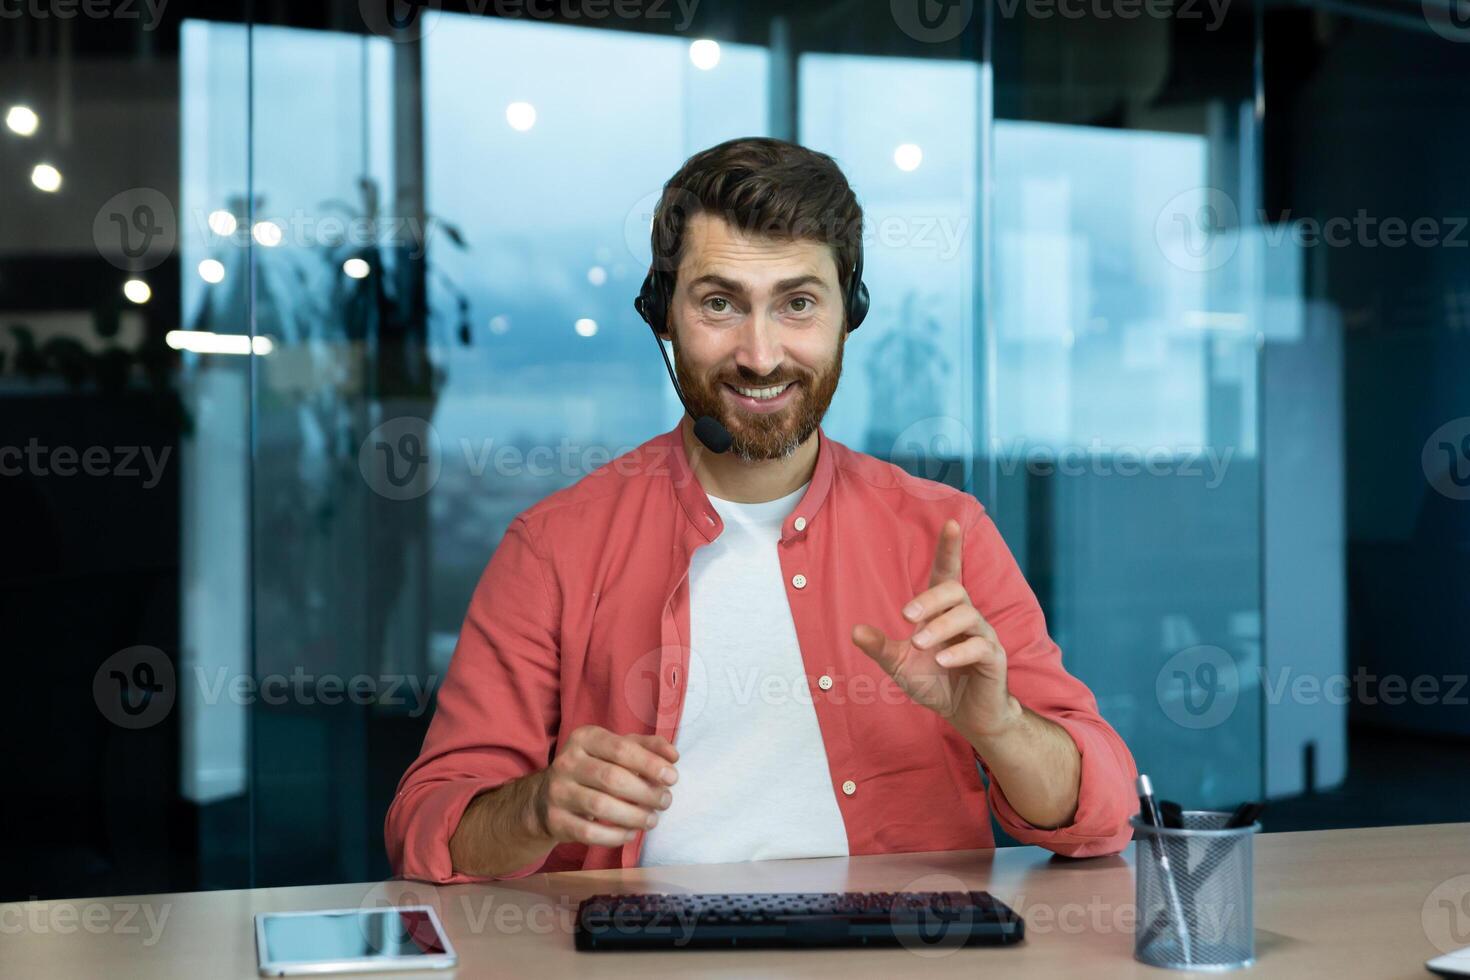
point(1035, 675)
point(497, 711)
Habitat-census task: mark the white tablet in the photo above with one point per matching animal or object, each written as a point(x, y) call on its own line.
point(351, 941)
point(1453, 964)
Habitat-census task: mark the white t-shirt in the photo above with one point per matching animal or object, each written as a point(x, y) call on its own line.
point(754, 783)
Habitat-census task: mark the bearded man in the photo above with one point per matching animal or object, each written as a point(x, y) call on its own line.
point(743, 640)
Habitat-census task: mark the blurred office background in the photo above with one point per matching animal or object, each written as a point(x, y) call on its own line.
point(300, 304)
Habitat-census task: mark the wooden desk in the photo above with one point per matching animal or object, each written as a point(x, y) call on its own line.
point(1349, 903)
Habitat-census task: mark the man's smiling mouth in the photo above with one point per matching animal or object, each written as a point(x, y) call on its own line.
point(762, 394)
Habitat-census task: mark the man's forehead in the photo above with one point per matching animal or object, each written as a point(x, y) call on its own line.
point(713, 246)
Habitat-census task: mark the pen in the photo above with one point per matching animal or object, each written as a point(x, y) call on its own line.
point(1244, 815)
point(1173, 814)
point(1149, 810)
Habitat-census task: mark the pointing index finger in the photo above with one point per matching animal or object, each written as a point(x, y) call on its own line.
point(947, 554)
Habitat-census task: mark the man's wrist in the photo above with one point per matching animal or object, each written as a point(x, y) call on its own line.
point(532, 813)
point(502, 829)
point(997, 734)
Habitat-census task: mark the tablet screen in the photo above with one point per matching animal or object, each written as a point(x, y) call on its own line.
point(350, 935)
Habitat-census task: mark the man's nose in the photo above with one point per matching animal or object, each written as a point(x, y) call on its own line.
point(759, 352)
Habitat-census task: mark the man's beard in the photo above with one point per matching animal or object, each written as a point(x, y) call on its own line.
point(762, 436)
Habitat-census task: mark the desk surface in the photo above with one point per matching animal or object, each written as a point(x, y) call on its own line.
point(1349, 903)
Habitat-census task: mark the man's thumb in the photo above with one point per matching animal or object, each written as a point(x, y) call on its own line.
point(870, 640)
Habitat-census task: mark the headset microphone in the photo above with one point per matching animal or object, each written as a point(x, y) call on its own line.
point(707, 429)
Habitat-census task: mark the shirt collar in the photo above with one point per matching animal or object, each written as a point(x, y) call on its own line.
point(701, 512)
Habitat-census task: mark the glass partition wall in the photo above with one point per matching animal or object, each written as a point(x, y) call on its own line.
point(1124, 349)
point(391, 309)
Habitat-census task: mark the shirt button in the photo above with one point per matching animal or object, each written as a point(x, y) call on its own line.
point(824, 682)
point(799, 580)
point(849, 787)
point(800, 524)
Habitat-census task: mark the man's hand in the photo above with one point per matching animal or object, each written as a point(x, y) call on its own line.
point(600, 789)
point(952, 662)
point(603, 788)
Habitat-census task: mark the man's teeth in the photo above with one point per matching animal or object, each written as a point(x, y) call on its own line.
point(761, 394)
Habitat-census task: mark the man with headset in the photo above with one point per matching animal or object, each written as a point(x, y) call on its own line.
point(743, 640)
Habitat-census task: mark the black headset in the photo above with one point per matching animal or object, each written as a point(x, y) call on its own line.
point(652, 305)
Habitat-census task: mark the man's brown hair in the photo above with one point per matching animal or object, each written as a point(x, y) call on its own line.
point(761, 186)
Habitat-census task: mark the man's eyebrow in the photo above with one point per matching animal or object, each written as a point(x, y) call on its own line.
point(731, 286)
point(719, 282)
point(786, 285)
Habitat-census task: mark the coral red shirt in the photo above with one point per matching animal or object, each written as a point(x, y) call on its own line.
point(582, 617)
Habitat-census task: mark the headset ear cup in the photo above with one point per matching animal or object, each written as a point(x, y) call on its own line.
point(650, 304)
point(857, 308)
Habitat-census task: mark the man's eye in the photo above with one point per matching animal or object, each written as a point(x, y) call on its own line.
point(724, 304)
point(805, 304)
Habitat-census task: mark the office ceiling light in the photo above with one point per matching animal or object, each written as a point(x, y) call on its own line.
point(137, 291)
point(22, 120)
point(907, 157)
point(585, 327)
point(705, 54)
point(212, 271)
point(597, 275)
point(499, 323)
point(222, 223)
point(209, 342)
point(356, 268)
point(521, 116)
point(46, 178)
point(267, 233)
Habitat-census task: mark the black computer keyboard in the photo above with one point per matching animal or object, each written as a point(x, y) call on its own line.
point(684, 921)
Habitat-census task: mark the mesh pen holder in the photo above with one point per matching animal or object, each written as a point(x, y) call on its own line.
point(1193, 890)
